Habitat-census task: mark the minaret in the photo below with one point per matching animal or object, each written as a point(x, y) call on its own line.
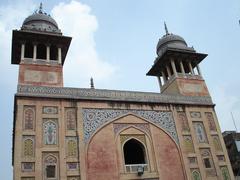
point(177, 67)
point(40, 49)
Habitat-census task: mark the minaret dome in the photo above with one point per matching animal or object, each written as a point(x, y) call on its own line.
point(40, 21)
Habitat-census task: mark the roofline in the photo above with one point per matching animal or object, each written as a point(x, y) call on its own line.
point(109, 95)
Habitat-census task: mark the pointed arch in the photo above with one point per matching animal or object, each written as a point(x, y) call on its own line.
point(103, 117)
point(134, 152)
point(196, 175)
point(50, 167)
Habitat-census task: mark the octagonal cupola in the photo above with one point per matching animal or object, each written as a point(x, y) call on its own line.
point(40, 48)
point(176, 60)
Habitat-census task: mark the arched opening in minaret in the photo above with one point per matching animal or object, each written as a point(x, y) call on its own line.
point(186, 67)
point(28, 50)
point(41, 51)
point(134, 152)
point(178, 68)
point(53, 52)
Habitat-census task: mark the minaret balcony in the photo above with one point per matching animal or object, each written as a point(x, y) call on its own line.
point(188, 76)
point(180, 76)
point(39, 61)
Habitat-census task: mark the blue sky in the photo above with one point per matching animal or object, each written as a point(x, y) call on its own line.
point(115, 43)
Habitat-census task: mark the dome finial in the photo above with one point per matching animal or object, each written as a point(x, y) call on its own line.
point(166, 29)
point(40, 8)
point(91, 83)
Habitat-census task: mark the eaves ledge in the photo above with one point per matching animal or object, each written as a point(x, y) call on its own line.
point(109, 95)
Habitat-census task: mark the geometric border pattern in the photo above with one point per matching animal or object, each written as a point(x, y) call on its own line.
point(109, 95)
point(93, 119)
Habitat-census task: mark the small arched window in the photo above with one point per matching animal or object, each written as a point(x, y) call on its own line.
point(50, 167)
point(134, 152)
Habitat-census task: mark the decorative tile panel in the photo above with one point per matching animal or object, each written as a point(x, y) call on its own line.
point(196, 174)
point(50, 131)
point(29, 118)
point(188, 144)
point(28, 178)
point(195, 114)
point(211, 122)
point(72, 166)
point(200, 132)
point(72, 147)
point(221, 158)
point(217, 143)
point(73, 178)
point(183, 121)
point(28, 167)
point(28, 146)
point(70, 118)
point(225, 173)
point(93, 119)
point(50, 110)
point(192, 160)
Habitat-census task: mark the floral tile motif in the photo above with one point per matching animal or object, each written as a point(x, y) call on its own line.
point(93, 119)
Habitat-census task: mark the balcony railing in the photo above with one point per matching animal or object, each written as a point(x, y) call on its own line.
point(132, 168)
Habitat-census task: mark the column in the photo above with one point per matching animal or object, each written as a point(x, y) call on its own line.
point(34, 52)
point(48, 53)
point(199, 70)
point(159, 81)
point(168, 71)
point(174, 68)
point(59, 55)
point(182, 68)
point(22, 51)
point(190, 67)
point(164, 77)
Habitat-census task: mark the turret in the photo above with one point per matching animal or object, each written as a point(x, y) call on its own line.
point(177, 67)
point(40, 49)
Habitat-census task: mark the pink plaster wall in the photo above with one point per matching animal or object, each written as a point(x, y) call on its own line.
point(167, 156)
point(101, 156)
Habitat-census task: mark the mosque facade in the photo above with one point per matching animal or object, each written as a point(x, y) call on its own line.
point(65, 133)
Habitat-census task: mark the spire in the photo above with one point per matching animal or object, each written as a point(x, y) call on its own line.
point(92, 83)
point(166, 29)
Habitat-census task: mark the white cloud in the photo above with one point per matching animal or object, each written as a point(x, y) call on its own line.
point(76, 20)
point(11, 17)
